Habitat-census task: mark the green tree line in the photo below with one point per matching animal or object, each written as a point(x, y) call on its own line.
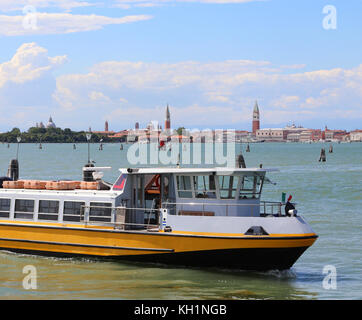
point(52, 135)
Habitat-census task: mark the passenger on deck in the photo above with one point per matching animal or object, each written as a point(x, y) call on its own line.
point(289, 206)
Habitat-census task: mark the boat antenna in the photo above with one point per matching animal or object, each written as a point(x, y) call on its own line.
point(88, 174)
point(17, 150)
point(88, 136)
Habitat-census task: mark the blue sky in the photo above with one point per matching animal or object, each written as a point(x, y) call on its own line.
point(210, 60)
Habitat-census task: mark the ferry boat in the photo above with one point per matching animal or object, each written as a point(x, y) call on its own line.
point(203, 217)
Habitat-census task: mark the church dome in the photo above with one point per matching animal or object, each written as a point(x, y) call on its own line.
point(50, 123)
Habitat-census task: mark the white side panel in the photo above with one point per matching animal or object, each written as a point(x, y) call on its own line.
point(272, 225)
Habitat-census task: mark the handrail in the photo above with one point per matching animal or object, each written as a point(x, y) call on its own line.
point(275, 203)
point(204, 208)
point(113, 212)
point(265, 205)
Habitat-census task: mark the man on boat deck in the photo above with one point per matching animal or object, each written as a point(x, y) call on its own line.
point(289, 206)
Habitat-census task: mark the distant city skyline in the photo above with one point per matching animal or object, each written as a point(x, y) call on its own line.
point(153, 131)
point(85, 62)
point(156, 124)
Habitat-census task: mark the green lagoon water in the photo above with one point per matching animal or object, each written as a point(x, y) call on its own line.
point(328, 195)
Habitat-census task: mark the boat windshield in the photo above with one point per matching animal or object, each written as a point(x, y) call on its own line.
point(250, 186)
point(210, 186)
point(204, 186)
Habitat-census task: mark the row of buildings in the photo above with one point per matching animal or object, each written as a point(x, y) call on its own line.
point(291, 133)
point(295, 133)
point(300, 134)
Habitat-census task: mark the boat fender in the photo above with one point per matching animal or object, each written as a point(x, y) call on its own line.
point(167, 229)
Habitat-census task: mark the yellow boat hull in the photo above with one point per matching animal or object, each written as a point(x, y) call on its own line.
point(179, 248)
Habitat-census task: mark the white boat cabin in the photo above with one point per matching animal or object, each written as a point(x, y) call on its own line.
point(139, 194)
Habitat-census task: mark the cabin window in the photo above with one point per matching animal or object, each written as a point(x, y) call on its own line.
point(48, 210)
point(4, 208)
point(251, 186)
point(24, 209)
point(204, 186)
point(73, 211)
point(228, 186)
point(184, 186)
point(100, 211)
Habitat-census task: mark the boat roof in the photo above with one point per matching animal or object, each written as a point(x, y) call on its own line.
point(60, 193)
point(177, 170)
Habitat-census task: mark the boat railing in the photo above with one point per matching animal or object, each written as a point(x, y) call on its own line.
point(120, 217)
point(262, 209)
point(126, 218)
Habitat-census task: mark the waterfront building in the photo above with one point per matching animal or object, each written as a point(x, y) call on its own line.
point(132, 136)
point(310, 135)
point(271, 134)
point(356, 136)
point(241, 136)
point(229, 136)
point(293, 137)
point(122, 135)
point(336, 135)
point(104, 133)
point(293, 133)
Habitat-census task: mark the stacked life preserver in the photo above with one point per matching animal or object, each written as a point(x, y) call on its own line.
point(51, 185)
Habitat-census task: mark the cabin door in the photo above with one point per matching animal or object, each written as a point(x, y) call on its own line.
point(137, 202)
point(153, 197)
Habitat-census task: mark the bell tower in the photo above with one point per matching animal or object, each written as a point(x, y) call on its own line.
point(168, 120)
point(256, 118)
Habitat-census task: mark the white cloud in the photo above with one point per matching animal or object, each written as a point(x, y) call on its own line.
point(219, 92)
point(213, 94)
point(98, 96)
point(30, 62)
point(59, 23)
point(285, 102)
point(26, 85)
